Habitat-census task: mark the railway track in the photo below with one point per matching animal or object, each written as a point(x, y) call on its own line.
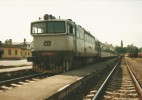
point(58, 87)
point(12, 66)
point(136, 68)
point(17, 82)
point(120, 84)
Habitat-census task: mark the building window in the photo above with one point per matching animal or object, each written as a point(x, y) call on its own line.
point(16, 52)
point(2, 51)
point(9, 52)
point(25, 53)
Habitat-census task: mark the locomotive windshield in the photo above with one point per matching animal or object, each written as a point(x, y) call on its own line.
point(48, 27)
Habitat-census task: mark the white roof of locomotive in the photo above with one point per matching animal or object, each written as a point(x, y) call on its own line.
point(52, 20)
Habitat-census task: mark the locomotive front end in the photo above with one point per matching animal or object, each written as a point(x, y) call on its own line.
point(53, 45)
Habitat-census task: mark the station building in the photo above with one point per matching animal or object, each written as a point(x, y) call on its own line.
point(10, 50)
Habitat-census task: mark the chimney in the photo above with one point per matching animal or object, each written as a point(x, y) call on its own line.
point(24, 40)
point(10, 41)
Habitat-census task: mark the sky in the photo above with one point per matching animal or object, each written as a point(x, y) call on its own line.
point(108, 20)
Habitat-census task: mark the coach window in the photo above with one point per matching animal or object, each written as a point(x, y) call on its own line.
point(102, 48)
point(85, 37)
point(96, 45)
point(81, 36)
point(78, 35)
point(92, 40)
point(88, 38)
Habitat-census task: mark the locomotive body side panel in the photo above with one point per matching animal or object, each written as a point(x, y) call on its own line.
point(53, 43)
point(80, 46)
point(90, 48)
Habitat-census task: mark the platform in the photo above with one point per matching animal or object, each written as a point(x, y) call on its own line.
point(15, 69)
point(14, 62)
point(45, 88)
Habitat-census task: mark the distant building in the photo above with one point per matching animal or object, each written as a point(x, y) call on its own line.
point(12, 50)
point(24, 44)
point(109, 45)
point(140, 54)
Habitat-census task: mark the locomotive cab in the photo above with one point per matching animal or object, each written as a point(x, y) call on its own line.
point(53, 44)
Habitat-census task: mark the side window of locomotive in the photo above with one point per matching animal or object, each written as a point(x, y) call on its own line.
point(102, 48)
point(73, 30)
point(70, 29)
point(96, 45)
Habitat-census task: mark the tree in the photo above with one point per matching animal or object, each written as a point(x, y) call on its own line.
point(120, 49)
point(140, 49)
point(132, 50)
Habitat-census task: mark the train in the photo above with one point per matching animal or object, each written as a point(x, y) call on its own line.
point(62, 45)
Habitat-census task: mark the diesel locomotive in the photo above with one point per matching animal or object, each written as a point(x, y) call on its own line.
point(62, 45)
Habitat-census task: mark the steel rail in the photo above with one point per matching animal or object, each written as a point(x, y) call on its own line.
point(19, 78)
point(99, 92)
point(139, 88)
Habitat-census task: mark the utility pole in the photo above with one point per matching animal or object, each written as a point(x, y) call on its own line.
point(0, 50)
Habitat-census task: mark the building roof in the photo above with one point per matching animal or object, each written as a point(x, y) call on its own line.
point(10, 46)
